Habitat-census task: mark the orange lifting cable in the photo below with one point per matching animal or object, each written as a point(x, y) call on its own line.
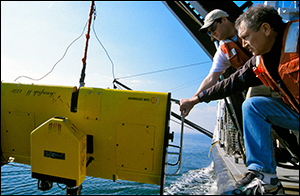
point(81, 81)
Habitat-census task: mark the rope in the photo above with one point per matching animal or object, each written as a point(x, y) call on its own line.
point(211, 147)
point(162, 70)
point(112, 63)
point(57, 61)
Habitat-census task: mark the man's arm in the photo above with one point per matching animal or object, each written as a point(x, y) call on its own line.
point(210, 80)
point(239, 81)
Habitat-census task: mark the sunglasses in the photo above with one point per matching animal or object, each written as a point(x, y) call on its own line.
point(213, 28)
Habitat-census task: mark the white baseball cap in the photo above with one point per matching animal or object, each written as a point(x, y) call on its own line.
point(211, 17)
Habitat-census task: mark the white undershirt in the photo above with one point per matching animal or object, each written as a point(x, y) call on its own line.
point(220, 62)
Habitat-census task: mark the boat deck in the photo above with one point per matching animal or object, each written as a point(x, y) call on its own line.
point(228, 172)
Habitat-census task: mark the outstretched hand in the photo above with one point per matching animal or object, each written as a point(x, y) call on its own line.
point(187, 105)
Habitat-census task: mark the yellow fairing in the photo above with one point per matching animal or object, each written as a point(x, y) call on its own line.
point(128, 130)
point(58, 152)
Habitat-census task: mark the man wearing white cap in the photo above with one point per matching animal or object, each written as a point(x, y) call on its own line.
point(230, 52)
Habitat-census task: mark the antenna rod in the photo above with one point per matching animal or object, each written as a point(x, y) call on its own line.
point(81, 81)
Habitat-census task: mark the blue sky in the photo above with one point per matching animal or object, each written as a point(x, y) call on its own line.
point(139, 36)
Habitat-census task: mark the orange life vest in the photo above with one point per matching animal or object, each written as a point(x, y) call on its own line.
point(235, 53)
point(288, 67)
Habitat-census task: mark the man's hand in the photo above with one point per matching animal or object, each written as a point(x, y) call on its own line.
point(188, 104)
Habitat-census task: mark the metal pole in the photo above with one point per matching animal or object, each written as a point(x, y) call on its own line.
point(202, 130)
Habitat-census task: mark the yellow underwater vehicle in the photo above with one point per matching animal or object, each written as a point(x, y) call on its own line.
point(67, 133)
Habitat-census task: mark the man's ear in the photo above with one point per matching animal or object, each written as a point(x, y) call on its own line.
point(266, 28)
point(224, 19)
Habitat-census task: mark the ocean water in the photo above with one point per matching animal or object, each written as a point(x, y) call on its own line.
point(196, 176)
